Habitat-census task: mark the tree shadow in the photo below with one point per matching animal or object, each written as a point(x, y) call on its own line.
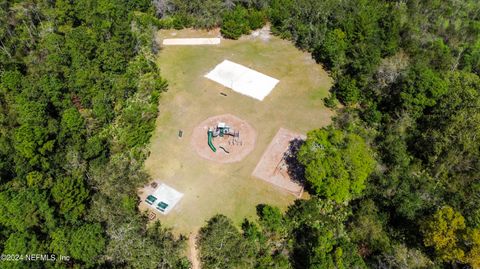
point(295, 169)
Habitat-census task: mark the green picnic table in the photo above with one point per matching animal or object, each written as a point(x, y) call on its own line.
point(162, 206)
point(151, 199)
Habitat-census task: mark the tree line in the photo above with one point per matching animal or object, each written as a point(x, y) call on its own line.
point(78, 98)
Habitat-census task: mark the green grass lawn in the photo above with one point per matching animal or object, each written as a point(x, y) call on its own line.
point(211, 188)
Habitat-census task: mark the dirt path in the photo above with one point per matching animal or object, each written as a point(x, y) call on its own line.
point(192, 251)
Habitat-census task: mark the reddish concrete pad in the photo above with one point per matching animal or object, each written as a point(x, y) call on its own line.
point(272, 166)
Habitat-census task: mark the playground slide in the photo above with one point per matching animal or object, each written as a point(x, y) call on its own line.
point(210, 143)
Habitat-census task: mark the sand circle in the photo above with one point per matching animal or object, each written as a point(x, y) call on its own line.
point(234, 148)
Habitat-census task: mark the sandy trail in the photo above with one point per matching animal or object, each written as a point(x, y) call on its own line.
point(192, 251)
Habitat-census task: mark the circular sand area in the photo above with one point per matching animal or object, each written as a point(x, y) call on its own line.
point(237, 147)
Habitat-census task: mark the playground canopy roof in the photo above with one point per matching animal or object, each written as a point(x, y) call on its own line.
point(242, 79)
point(191, 41)
point(167, 198)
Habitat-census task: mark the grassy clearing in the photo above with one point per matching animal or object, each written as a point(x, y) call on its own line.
point(210, 188)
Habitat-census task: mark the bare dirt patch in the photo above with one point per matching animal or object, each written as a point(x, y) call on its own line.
point(274, 168)
point(193, 251)
point(142, 193)
point(262, 34)
point(234, 149)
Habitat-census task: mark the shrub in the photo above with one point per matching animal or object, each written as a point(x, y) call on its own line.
point(347, 90)
point(331, 101)
point(256, 19)
point(181, 21)
point(235, 23)
point(167, 23)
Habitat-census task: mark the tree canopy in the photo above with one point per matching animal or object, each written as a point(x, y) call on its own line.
point(336, 164)
point(78, 95)
point(393, 182)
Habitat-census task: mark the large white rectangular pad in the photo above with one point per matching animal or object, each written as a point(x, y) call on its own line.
point(242, 79)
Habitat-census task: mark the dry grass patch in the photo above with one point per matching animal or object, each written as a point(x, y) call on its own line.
point(210, 188)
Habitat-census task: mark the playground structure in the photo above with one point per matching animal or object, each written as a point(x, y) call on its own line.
point(221, 130)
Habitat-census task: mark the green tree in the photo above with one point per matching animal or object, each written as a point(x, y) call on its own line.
point(421, 89)
point(332, 51)
point(441, 232)
point(452, 240)
point(72, 124)
point(336, 163)
point(221, 244)
point(60, 241)
point(87, 242)
point(256, 19)
point(129, 243)
point(271, 218)
point(347, 90)
point(403, 257)
point(24, 209)
point(472, 241)
point(84, 243)
point(368, 228)
point(448, 135)
point(70, 193)
point(235, 23)
point(22, 243)
point(318, 236)
point(77, 84)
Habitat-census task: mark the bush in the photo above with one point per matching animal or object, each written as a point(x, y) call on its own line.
point(181, 21)
point(347, 90)
point(166, 23)
point(256, 19)
point(331, 101)
point(331, 52)
point(240, 21)
point(235, 23)
point(371, 114)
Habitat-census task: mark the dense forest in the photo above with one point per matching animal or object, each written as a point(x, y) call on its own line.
point(394, 181)
point(78, 100)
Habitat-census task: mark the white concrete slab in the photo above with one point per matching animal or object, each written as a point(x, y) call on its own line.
point(167, 195)
point(242, 79)
point(190, 41)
